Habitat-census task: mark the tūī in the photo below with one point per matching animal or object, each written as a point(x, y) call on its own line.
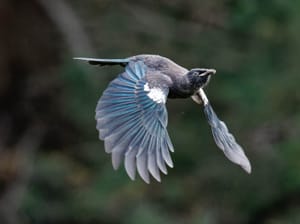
point(132, 117)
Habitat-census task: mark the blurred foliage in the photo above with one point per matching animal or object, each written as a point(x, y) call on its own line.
point(253, 45)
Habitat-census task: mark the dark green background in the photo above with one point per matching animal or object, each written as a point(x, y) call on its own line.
point(53, 168)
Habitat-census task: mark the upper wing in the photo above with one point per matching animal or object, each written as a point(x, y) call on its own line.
point(132, 121)
point(225, 140)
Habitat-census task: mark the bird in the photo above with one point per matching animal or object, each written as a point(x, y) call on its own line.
point(132, 118)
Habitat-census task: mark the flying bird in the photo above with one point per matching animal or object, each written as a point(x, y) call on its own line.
point(132, 117)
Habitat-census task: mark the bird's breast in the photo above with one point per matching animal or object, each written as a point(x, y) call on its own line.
point(175, 92)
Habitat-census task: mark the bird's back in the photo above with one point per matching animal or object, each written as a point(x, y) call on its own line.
point(164, 72)
point(161, 64)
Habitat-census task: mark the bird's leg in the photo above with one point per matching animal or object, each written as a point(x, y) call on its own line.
point(223, 138)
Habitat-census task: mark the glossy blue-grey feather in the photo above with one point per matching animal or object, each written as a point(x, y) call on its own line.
point(133, 126)
point(129, 162)
point(101, 62)
point(141, 162)
point(159, 158)
point(225, 140)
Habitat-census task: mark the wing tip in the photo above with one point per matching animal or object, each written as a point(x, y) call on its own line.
point(130, 165)
point(146, 181)
point(247, 167)
point(155, 173)
point(171, 165)
point(131, 177)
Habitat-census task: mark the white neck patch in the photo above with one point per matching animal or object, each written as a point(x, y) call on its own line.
point(155, 94)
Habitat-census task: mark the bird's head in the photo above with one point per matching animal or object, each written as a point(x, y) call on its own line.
point(199, 77)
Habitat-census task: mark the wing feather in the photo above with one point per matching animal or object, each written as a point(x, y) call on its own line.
point(134, 126)
point(225, 140)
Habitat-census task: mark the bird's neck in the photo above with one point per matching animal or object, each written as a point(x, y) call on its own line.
point(181, 88)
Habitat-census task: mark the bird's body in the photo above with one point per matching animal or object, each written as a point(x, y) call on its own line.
point(132, 118)
point(164, 70)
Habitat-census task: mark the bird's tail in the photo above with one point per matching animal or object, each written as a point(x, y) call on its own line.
point(102, 62)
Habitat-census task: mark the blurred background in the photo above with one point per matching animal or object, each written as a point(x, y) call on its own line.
point(53, 168)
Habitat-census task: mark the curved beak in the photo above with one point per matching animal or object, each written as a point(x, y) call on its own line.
point(208, 72)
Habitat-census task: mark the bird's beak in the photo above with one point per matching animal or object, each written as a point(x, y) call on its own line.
point(208, 72)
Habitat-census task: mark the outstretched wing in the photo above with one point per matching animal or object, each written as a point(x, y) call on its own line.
point(225, 140)
point(132, 121)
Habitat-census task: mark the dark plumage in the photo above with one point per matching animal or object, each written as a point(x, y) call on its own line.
point(132, 117)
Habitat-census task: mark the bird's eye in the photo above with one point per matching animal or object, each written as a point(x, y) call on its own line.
point(196, 73)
